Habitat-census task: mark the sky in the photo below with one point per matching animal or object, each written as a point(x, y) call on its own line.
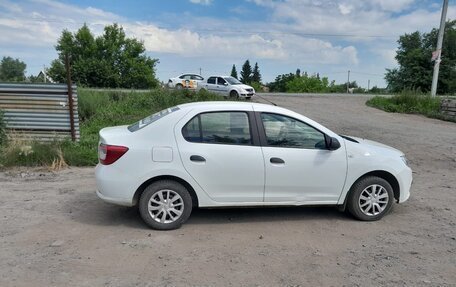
point(317, 36)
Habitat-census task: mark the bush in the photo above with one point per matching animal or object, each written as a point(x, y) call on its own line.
point(256, 86)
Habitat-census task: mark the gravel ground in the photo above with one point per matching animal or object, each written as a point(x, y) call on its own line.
point(55, 232)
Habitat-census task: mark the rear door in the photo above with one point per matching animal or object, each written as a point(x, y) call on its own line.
point(211, 84)
point(220, 150)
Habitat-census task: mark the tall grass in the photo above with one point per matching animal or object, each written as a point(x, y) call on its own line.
point(97, 109)
point(410, 102)
point(407, 102)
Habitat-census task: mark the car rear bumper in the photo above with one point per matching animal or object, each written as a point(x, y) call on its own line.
point(112, 186)
point(114, 200)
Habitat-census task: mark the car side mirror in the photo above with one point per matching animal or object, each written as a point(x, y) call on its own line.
point(331, 143)
point(225, 84)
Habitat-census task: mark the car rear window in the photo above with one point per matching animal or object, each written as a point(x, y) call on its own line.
point(150, 119)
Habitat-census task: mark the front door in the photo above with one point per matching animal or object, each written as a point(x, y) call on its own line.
point(218, 150)
point(222, 86)
point(299, 168)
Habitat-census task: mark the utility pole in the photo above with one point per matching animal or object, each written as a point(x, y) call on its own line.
point(70, 97)
point(368, 85)
point(348, 82)
point(200, 71)
point(44, 73)
point(435, 75)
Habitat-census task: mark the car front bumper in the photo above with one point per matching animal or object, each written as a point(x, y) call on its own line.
point(248, 95)
point(405, 179)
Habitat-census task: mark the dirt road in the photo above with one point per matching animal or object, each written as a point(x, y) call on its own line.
point(55, 232)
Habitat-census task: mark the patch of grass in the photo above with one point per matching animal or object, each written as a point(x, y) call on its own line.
point(410, 102)
point(19, 153)
point(97, 109)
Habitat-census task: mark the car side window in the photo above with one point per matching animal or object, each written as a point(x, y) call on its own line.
point(211, 80)
point(283, 131)
point(196, 77)
point(220, 81)
point(219, 128)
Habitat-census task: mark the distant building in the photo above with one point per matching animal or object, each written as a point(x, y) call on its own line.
point(43, 77)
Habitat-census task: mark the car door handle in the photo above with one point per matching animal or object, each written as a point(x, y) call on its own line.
point(197, 158)
point(276, 160)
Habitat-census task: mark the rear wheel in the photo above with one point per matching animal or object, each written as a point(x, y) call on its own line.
point(370, 198)
point(165, 205)
point(179, 87)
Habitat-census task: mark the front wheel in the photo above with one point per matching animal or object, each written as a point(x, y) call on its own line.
point(370, 198)
point(165, 205)
point(234, 94)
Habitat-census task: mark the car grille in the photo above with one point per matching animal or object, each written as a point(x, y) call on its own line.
point(249, 90)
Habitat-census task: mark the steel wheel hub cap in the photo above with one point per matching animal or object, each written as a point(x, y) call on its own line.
point(165, 206)
point(373, 200)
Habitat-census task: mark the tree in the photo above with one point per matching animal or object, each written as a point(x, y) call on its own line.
point(415, 66)
point(111, 60)
point(12, 70)
point(280, 82)
point(298, 72)
point(246, 73)
point(234, 72)
point(256, 76)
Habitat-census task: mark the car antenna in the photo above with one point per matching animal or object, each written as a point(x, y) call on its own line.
point(267, 100)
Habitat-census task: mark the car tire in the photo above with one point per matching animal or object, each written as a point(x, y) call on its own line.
point(234, 94)
point(370, 198)
point(165, 205)
point(179, 87)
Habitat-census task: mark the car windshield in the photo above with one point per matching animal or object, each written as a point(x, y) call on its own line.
point(233, 81)
point(150, 119)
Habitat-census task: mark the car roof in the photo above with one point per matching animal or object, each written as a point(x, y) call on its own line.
point(247, 106)
point(217, 104)
point(219, 76)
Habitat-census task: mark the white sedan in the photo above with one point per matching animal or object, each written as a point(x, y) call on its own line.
point(185, 81)
point(227, 154)
point(227, 86)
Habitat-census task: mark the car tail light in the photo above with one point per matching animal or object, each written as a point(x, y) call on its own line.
point(108, 154)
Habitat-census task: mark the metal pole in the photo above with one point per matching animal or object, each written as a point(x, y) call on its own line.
point(348, 82)
point(435, 75)
point(70, 97)
point(368, 85)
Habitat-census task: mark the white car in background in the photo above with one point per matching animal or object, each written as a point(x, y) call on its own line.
point(185, 81)
point(227, 86)
point(225, 154)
